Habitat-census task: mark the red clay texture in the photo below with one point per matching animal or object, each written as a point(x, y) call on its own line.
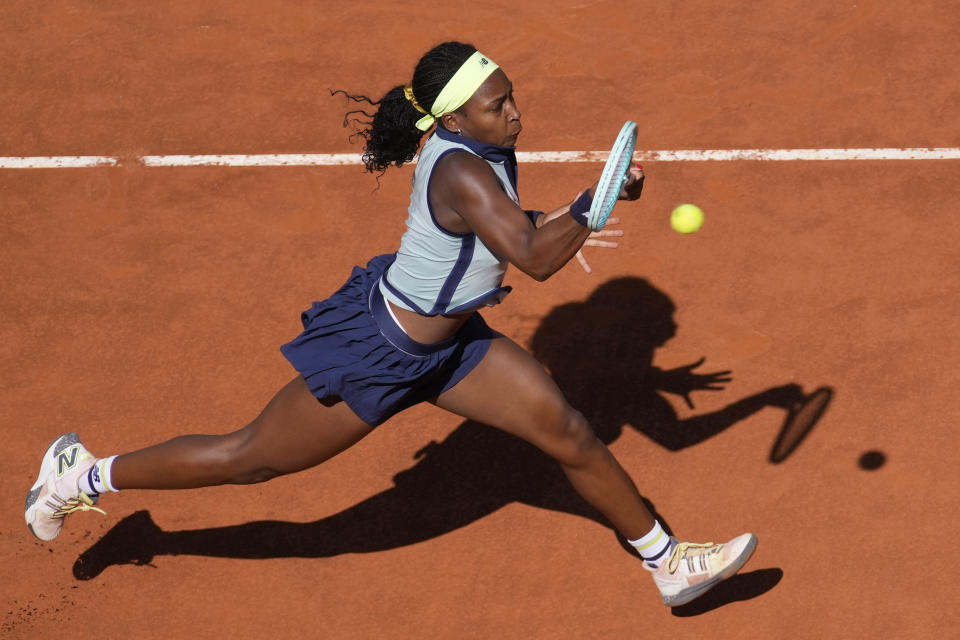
point(137, 304)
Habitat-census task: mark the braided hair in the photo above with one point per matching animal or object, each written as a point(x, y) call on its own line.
point(391, 135)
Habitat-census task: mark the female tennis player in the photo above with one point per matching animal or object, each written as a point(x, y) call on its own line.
point(405, 329)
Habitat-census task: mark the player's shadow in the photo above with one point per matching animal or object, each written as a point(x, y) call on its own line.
point(600, 352)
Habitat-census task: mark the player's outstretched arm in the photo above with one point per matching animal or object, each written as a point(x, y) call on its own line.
point(466, 196)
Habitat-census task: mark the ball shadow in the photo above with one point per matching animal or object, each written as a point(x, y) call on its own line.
point(872, 460)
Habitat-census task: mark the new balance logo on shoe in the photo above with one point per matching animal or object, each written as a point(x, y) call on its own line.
point(67, 459)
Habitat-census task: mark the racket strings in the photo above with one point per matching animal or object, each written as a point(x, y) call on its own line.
point(613, 177)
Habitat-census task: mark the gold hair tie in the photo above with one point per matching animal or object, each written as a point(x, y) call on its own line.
point(408, 94)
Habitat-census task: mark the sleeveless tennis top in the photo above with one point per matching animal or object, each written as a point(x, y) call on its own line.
point(437, 271)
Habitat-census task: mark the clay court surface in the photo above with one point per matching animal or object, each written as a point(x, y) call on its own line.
point(140, 303)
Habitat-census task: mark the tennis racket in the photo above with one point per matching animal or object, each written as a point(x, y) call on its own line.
point(613, 177)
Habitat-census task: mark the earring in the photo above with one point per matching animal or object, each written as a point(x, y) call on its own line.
point(458, 132)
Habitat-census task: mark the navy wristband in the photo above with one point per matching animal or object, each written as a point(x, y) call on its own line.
point(580, 209)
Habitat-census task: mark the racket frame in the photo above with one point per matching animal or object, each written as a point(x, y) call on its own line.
point(613, 177)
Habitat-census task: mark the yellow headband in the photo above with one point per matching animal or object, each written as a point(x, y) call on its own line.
point(458, 90)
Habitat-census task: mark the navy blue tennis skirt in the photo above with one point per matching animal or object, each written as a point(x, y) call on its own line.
point(352, 347)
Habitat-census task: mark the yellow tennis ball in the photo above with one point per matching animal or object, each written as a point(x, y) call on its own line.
point(686, 218)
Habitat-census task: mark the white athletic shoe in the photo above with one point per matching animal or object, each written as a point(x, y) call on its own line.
point(56, 494)
point(693, 569)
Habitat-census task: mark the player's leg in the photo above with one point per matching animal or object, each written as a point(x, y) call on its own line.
point(294, 432)
point(510, 390)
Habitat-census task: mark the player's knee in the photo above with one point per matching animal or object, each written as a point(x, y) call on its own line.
point(580, 443)
point(240, 461)
point(254, 475)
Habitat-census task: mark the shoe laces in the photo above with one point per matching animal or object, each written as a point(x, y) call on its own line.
point(680, 552)
point(62, 508)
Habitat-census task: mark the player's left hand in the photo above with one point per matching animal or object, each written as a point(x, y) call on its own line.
point(596, 239)
point(633, 187)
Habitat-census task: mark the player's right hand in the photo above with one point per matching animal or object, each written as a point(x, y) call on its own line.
point(633, 187)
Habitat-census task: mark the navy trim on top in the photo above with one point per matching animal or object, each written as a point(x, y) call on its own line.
point(464, 258)
point(490, 152)
point(407, 301)
point(489, 298)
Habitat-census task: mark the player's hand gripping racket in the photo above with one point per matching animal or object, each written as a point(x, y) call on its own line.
point(614, 176)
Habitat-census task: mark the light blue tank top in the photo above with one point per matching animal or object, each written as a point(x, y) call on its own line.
point(437, 271)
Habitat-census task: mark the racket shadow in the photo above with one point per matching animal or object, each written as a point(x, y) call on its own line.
point(801, 418)
point(476, 469)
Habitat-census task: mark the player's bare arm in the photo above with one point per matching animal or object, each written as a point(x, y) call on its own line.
point(467, 197)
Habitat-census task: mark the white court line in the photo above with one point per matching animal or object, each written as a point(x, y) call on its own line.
point(808, 154)
point(262, 160)
point(56, 162)
point(534, 157)
point(537, 157)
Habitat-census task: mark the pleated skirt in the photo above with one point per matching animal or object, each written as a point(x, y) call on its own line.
point(352, 347)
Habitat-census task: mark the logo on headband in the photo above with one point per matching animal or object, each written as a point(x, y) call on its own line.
point(484, 62)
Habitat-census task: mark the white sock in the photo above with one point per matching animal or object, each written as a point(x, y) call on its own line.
point(97, 480)
point(655, 546)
